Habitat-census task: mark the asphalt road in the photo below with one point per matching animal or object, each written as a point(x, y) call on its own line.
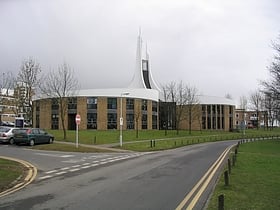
point(158, 180)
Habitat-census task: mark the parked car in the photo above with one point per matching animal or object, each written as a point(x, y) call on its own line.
point(32, 136)
point(7, 134)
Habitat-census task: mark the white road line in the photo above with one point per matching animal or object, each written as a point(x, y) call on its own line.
point(62, 172)
point(94, 165)
point(84, 167)
point(53, 171)
point(85, 164)
point(45, 177)
point(65, 168)
point(67, 156)
point(75, 169)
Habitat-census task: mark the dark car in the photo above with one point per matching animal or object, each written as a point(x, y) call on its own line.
point(32, 136)
point(7, 134)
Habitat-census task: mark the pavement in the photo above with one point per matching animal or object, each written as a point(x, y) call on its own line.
point(32, 170)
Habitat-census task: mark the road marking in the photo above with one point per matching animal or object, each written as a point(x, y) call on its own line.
point(75, 169)
point(45, 177)
point(203, 182)
point(62, 172)
point(86, 165)
point(49, 172)
point(54, 155)
point(65, 168)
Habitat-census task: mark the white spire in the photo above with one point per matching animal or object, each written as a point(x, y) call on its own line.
point(142, 76)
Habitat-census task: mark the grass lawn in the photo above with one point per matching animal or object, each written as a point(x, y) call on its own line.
point(10, 171)
point(254, 180)
point(112, 136)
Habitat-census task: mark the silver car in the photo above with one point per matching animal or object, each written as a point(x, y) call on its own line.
point(7, 134)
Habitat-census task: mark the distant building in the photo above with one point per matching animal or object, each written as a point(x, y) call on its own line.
point(137, 107)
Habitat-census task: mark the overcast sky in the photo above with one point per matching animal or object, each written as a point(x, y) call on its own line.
point(218, 46)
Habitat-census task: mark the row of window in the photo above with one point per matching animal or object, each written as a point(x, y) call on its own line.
point(112, 119)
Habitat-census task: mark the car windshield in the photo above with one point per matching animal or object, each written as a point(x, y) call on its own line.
point(4, 129)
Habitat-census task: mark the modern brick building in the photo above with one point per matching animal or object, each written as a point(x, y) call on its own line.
point(136, 107)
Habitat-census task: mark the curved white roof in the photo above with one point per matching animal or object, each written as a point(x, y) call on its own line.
point(148, 94)
point(215, 100)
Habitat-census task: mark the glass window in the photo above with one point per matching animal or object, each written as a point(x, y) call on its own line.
point(112, 121)
point(154, 106)
point(130, 121)
point(92, 121)
point(129, 104)
point(55, 105)
point(144, 105)
point(92, 103)
point(72, 103)
point(144, 121)
point(112, 103)
point(154, 122)
point(55, 121)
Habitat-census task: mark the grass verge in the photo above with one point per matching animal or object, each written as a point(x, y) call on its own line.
point(254, 180)
point(10, 173)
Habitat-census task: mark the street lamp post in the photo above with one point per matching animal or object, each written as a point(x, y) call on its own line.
point(121, 119)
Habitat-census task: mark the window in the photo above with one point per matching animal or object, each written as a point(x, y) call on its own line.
point(154, 106)
point(92, 103)
point(144, 105)
point(112, 121)
point(130, 121)
point(72, 103)
point(112, 103)
point(144, 121)
point(92, 121)
point(129, 104)
point(55, 105)
point(55, 121)
point(37, 106)
point(154, 121)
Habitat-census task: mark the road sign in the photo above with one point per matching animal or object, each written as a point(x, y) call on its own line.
point(78, 119)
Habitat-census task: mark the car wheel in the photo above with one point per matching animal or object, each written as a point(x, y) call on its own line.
point(50, 141)
point(31, 143)
point(11, 141)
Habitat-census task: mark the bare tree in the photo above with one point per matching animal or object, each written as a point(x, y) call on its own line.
point(272, 85)
point(192, 102)
point(256, 100)
point(185, 99)
point(271, 108)
point(59, 85)
point(243, 106)
point(27, 82)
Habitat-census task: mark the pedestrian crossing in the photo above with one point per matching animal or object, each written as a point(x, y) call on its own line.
point(91, 163)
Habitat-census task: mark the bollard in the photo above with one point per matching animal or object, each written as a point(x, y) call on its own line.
point(151, 143)
point(229, 166)
point(226, 178)
point(154, 143)
point(221, 204)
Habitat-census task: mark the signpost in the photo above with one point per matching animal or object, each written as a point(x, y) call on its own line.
point(78, 121)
